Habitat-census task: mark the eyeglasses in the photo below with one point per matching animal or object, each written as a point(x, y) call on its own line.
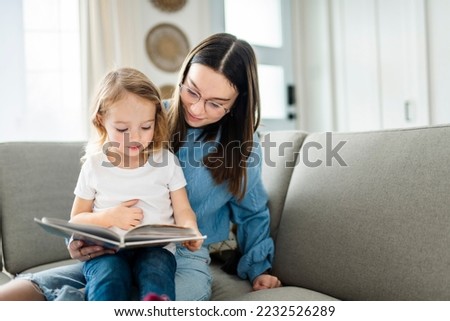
point(192, 97)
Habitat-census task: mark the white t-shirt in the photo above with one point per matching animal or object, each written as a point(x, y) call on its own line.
point(108, 185)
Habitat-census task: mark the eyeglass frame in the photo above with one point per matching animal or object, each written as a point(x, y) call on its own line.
point(193, 91)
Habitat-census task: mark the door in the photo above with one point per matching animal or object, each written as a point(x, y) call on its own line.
point(380, 64)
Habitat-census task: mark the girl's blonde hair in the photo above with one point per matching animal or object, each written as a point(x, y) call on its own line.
point(114, 86)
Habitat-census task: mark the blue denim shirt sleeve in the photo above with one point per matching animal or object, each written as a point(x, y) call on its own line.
point(252, 217)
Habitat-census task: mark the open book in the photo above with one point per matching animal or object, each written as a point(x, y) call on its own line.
point(142, 235)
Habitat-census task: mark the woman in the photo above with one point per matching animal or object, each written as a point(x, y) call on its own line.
point(213, 120)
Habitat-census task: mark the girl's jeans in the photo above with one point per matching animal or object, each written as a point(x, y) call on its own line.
point(112, 277)
point(66, 283)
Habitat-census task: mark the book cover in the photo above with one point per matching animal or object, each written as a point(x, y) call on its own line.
point(142, 235)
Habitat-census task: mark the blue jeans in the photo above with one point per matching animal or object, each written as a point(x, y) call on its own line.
point(193, 279)
point(112, 277)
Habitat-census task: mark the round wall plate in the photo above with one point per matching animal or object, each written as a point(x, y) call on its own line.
point(167, 91)
point(167, 46)
point(168, 5)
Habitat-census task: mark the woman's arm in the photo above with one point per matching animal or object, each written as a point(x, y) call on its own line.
point(252, 218)
point(255, 243)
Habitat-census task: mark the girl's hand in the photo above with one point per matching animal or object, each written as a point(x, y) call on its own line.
point(125, 216)
point(266, 281)
point(80, 251)
point(193, 245)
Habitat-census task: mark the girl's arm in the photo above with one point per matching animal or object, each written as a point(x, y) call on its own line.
point(82, 213)
point(123, 216)
point(185, 216)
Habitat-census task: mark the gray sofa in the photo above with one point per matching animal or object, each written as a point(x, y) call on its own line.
point(361, 216)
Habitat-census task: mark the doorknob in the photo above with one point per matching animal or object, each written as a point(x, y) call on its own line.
point(407, 106)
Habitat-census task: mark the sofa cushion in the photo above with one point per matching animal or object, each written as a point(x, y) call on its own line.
point(376, 228)
point(52, 265)
point(285, 293)
point(36, 180)
point(4, 278)
point(226, 287)
point(1, 246)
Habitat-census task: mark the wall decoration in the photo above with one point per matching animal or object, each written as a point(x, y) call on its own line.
point(167, 46)
point(169, 5)
point(166, 91)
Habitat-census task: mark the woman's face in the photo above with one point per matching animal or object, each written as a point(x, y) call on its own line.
point(215, 96)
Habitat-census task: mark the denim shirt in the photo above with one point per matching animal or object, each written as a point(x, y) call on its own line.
point(215, 206)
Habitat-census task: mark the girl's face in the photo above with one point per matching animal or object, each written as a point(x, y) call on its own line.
point(216, 94)
point(129, 124)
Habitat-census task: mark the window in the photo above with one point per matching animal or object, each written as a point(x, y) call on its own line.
point(264, 27)
point(265, 24)
point(47, 91)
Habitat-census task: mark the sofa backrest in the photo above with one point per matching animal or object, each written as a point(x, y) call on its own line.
point(280, 151)
point(36, 180)
point(1, 246)
point(373, 223)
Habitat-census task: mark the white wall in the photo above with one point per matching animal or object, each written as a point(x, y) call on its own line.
point(193, 19)
point(311, 36)
point(438, 25)
point(12, 64)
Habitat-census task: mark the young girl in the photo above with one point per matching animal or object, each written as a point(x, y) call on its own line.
point(128, 178)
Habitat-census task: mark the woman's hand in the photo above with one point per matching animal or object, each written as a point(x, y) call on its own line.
point(266, 281)
point(80, 251)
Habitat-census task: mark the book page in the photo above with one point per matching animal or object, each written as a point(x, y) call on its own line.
point(157, 231)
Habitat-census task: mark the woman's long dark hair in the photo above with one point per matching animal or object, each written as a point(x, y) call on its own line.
point(236, 60)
